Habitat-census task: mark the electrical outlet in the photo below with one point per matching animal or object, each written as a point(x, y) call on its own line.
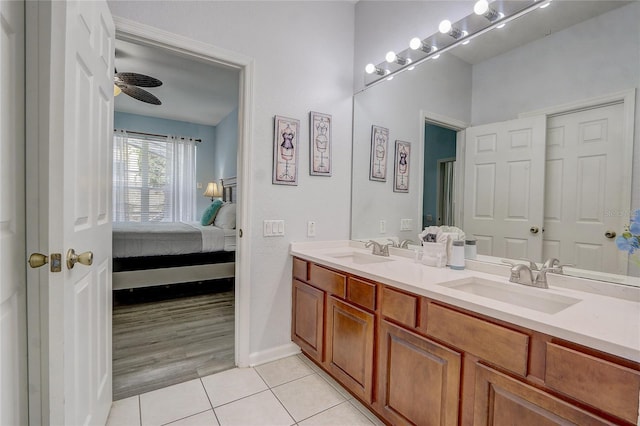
point(199, 185)
point(406, 224)
point(383, 226)
point(311, 229)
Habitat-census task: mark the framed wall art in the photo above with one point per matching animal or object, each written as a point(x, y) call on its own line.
point(285, 150)
point(379, 148)
point(401, 167)
point(320, 141)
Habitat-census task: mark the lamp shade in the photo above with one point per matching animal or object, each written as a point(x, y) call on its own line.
point(213, 190)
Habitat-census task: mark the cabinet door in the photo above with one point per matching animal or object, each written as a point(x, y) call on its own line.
point(350, 347)
point(308, 319)
point(502, 400)
point(419, 380)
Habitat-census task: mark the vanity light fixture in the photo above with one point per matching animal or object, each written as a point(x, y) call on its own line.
point(392, 58)
point(416, 44)
point(482, 8)
point(372, 69)
point(449, 36)
point(446, 27)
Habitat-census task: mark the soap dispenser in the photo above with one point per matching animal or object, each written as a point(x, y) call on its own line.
point(457, 255)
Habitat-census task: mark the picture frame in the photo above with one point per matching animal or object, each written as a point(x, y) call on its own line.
point(402, 160)
point(379, 150)
point(320, 144)
point(285, 150)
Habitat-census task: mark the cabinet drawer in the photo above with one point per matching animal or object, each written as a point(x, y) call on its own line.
point(400, 307)
point(300, 269)
point(329, 281)
point(361, 293)
point(602, 384)
point(499, 345)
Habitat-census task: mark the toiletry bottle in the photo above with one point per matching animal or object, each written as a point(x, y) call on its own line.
point(457, 255)
point(470, 248)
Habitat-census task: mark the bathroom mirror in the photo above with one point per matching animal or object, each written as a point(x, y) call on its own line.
point(592, 57)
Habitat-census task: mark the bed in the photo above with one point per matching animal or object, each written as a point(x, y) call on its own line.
point(160, 253)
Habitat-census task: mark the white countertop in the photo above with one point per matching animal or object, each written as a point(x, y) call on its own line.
point(607, 316)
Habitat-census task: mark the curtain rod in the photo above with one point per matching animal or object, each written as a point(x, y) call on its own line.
point(153, 134)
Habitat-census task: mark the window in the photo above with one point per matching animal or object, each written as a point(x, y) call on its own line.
point(153, 179)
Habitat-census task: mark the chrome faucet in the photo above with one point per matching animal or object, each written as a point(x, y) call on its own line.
point(521, 274)
point(378, 249)
point(550, 265)
point(405, 243)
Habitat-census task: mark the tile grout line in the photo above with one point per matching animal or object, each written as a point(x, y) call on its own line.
point(213, 410)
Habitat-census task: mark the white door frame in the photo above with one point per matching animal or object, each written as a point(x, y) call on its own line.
point(43, 404)
point(458, 126)
point(131, 31)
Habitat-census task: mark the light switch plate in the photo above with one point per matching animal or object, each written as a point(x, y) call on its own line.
point(273, 228)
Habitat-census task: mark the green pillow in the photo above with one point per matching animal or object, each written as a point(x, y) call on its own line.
point(210, 213)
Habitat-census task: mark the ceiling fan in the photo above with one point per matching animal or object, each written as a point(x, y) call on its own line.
point(130, 83)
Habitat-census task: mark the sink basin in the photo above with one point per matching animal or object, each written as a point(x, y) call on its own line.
point(515, 294)
point(360, 258)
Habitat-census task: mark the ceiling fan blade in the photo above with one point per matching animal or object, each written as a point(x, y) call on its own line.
point(136, 79)
point(139, 94)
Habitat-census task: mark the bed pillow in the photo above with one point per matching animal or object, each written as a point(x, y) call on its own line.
point(226, 217)
point(210, 213)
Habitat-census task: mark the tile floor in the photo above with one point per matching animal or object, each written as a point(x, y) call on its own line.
point(290, 391)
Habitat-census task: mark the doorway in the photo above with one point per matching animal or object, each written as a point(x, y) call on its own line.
point(205, 71)
point(439, 175)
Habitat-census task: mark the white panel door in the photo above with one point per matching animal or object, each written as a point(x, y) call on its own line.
point(583, 198)
point(503, 187)
point(13, 348)
point(79, 210)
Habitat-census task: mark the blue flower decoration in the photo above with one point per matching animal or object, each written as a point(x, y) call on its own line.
point(629, 241)
point(627, 244)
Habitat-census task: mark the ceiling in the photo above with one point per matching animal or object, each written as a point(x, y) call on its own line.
point(205, 93)
point(532, 26)
point(192, 91)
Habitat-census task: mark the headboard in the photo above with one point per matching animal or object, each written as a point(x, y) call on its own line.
point(229, 186)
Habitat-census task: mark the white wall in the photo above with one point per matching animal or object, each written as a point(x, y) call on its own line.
point(443, 87)
point(225, 152)
point(303, 54)
point(382, 26)
point(594, 58)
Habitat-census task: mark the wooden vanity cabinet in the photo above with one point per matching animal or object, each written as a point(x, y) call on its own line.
point(417, 361)
point(307, 326)
point(418, 379)
point(501, 400)
point(349, 346)
point(333, 322)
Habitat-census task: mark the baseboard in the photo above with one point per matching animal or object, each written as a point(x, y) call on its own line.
point(262, 357)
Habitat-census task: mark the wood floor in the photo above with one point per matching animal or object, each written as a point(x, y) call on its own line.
point(164, 336)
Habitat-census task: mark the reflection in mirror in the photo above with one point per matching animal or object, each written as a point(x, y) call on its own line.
point(594, 61)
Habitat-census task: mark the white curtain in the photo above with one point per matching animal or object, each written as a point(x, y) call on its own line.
point(183, 165)
point(153, 178)
point(120, 186)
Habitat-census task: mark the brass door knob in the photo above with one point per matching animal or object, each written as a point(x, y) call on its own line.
point(85, 258)
point(37, 260)
point(610, 234)
point(534, 230)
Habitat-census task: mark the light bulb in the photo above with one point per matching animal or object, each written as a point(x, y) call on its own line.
point(370, 69)
point(445, 26)
point(415, 43)
point(390, 57)
point(481, 7)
